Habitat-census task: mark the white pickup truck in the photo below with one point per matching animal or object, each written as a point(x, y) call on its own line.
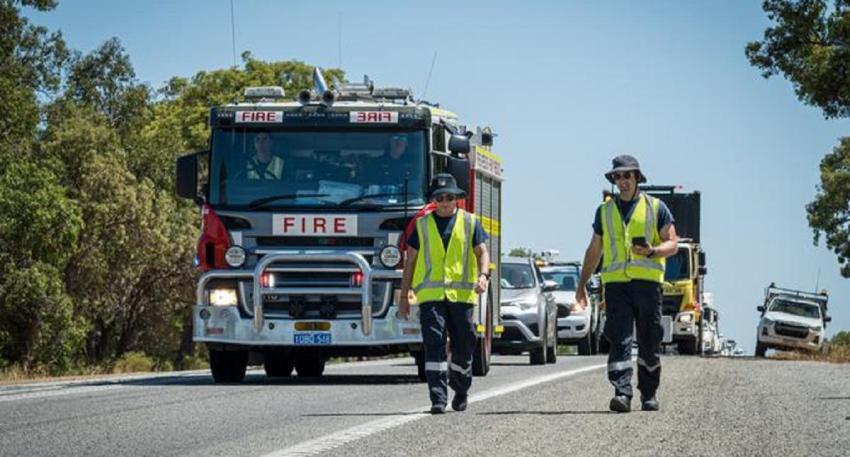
point(791, 320)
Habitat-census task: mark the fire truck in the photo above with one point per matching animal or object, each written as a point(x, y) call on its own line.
point(304, 205)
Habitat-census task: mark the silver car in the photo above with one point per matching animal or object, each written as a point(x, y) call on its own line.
point(528, 311)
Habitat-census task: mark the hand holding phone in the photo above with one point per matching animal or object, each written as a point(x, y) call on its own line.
point(639, 241)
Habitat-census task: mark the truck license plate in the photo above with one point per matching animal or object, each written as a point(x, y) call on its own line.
point(312, 338)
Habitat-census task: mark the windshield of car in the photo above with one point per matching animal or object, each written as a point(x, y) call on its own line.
point(517, 276)
point(566, 279)
point(796, 308)
point(251, 167)
point(678, 266)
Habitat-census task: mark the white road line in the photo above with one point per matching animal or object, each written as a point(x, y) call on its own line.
point(335, 440)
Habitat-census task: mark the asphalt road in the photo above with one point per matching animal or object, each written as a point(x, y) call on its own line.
point(723, 407)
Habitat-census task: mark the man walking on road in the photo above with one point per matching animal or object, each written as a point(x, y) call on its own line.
point(633, 235)
point(446, 279)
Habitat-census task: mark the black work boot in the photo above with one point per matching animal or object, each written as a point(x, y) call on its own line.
point(621, 404)
point(460, 402)
point(438, 409)
point(649, 404)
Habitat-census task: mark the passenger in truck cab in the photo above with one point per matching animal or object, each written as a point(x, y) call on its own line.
point(391, 167)
point(263, 164)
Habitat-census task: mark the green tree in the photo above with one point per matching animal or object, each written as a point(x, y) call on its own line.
point(841, 338)
point(30, 63)
point(809, 44)
point(829, 213)
point(520, 252)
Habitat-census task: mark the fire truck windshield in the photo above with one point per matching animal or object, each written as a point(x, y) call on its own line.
point(678, 266)
point(272, 168)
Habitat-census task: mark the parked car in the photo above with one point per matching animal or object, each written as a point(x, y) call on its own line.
point(711, 343)
point(581, 327)
point(528, 312)
point(791, 320)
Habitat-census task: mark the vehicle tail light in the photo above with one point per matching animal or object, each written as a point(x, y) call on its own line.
point(214, 241)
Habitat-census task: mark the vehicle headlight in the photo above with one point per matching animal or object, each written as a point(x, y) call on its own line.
point(390, 256)
point(817, 328)
point(527, 304)
point(223, 297)
point(235, 256)
point(685, 317)
point(767, 322)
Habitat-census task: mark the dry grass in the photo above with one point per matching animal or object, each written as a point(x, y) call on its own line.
point(831, 354)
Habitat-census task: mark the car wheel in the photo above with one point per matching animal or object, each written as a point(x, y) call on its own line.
point(584, 344)
point(760, 350)
point(537, 356)
point(552, 350)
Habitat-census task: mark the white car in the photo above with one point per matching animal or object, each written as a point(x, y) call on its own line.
point(581, 327)
point(790, 323)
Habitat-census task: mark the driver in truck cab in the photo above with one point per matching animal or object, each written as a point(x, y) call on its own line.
point(263, 165)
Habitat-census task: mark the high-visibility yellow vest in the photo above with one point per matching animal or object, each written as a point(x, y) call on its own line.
point(446, 273)
point(274, 169)
point(619, 264)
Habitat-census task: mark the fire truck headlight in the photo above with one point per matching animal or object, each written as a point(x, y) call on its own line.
point(390, 256)
point(223, 297)
point(235, 256)
point(685, 317)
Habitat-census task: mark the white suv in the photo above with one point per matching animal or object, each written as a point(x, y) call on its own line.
point(790, 323)
point(581, 327)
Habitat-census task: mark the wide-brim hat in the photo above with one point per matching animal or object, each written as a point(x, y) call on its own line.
point(445, 183)
point(623, 163)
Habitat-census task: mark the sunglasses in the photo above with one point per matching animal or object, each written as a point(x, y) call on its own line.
point(445, 198)
point(623, 175)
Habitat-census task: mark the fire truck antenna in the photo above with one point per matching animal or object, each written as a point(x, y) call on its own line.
point(233, 32)
point(428, 81)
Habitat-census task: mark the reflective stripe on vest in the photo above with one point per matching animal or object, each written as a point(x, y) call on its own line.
point(619, 264)
point(274, 169)
point(445, 273)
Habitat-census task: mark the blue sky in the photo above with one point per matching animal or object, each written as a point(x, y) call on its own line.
point(567, 85)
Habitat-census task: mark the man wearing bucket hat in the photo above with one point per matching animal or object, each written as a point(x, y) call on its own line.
point(447, 266)
point(633, 234)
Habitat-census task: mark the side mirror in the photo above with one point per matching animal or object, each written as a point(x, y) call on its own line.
point(459, 144)
point(486, 139)
point(703, 271)
point(550, 286)
point(459, 168)
point(827, 319)
point(187, 176)
point(760, 309)
point(701, 259)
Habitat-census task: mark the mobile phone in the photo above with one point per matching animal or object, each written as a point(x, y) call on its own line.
point(639, 241)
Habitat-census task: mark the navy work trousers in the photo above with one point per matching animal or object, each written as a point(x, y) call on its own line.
point(634, 307)
point(436, 318)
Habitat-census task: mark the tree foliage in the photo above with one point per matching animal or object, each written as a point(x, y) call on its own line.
point(95, 249)
point(829, 213)
point(809, 44)
point(520, 252)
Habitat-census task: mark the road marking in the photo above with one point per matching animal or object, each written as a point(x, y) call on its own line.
point(335, 440)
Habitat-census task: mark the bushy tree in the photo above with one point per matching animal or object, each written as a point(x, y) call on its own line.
point(809, 44)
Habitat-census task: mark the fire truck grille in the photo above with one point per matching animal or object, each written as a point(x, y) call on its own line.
point(795, 331)
point(670, 305)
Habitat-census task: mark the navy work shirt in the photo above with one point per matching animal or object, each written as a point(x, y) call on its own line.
point(445, 225)
point(664, 215)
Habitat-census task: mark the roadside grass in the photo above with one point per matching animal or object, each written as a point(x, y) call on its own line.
point(831, 354)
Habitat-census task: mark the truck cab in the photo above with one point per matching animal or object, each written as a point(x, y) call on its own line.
point(304, 208)
point(683, 296)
